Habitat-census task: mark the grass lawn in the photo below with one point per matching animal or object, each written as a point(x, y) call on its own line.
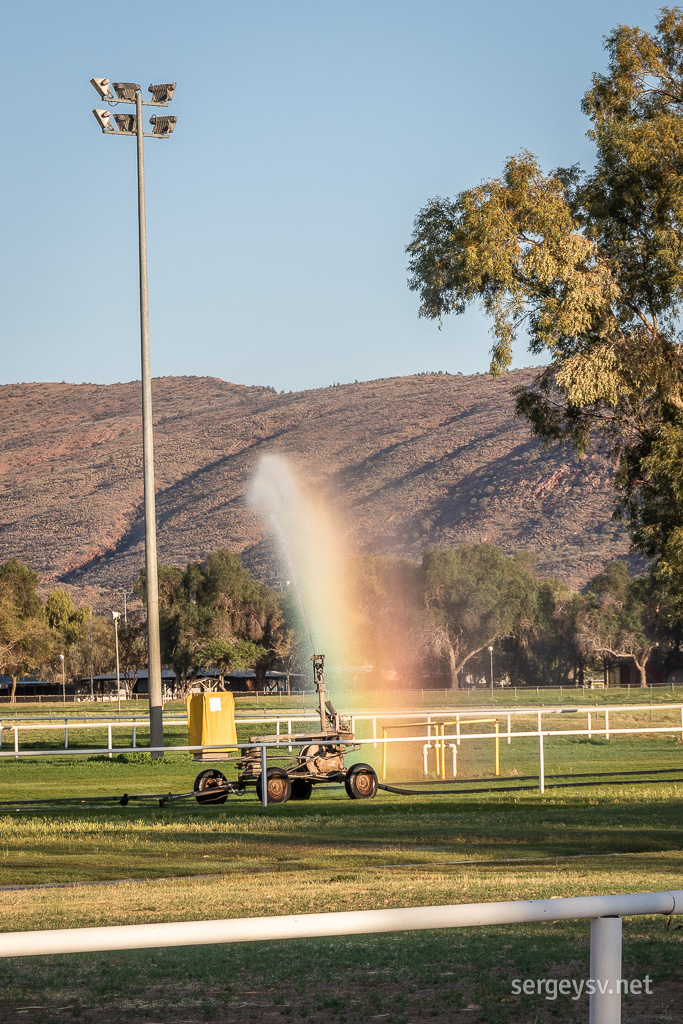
point(77, 866)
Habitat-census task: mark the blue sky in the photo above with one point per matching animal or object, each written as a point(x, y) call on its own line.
point(309, 135)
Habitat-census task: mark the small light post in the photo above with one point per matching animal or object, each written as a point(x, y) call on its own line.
point(126, 595)
point(116, 616)
point(92, 681)
point(61, 658)
point(162, 128)
point(491, 657)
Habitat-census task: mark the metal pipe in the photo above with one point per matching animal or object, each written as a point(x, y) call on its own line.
point(354, 922)
point(264, 776)
point(541, 764)
point(605, 971)
point(156, 724)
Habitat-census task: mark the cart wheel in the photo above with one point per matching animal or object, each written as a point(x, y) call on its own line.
point(301, 789)
point(361, 782)
point(279, 786)
point(207, 780)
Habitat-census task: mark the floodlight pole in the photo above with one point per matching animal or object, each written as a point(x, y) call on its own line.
point(129, 92)
point(156, 725)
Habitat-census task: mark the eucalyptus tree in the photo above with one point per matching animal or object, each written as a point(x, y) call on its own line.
point(590, 266)
point(25, 639)
point(474, 596)
point(622, 620)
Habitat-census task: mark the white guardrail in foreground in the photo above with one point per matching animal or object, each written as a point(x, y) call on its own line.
point(604, 912)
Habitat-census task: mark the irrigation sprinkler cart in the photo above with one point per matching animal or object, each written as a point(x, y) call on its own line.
point(319, 760)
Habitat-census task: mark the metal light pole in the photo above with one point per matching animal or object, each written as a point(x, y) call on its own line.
point(116, 616)
point(162, 127)
point(61, 658)
point(491, 656)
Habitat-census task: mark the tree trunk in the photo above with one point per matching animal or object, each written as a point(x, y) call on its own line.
point(453, 668)
point(13, 698)
point(643, 674)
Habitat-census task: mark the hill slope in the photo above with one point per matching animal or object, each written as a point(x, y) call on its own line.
point(410, 462)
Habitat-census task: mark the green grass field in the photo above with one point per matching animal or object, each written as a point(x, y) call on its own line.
point(77, 866)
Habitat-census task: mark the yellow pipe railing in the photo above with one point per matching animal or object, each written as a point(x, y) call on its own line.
point(440, 741)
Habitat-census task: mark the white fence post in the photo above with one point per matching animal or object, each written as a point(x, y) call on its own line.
point(66, 733)
point(509, 729)
point(590, 727)
point(109, 740)
point(606, 723)
point(605, 971)
point(16, 742)
point(541, 764)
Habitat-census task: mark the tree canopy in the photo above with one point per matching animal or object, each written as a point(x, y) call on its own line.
point(214, 615)
point(621, 619)
point(590, 265)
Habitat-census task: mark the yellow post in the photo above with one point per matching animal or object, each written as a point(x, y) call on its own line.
point(384, 753)
point(497, 750)
point(443, 751)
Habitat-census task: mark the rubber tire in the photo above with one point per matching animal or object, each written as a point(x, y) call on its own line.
point(206, 781)
point(279, 786)
point(361, 782)
point(301, 789)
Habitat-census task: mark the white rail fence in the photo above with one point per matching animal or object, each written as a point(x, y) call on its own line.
point(433, 739)
point(594, 727)
point(604, 912)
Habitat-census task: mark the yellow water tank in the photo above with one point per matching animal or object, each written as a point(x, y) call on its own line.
point(211, 721)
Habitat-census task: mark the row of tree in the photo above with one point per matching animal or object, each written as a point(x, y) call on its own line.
point(433, 620)
point(439, 618)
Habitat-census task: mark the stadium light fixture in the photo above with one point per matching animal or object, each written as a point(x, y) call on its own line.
point(126, 91)
point(126, 123)
point(131, 124)
point(162, 93)
point(104, 120)
point(103, 87)
point(162, 125)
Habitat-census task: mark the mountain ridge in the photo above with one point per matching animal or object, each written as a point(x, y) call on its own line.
point(407, 462)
